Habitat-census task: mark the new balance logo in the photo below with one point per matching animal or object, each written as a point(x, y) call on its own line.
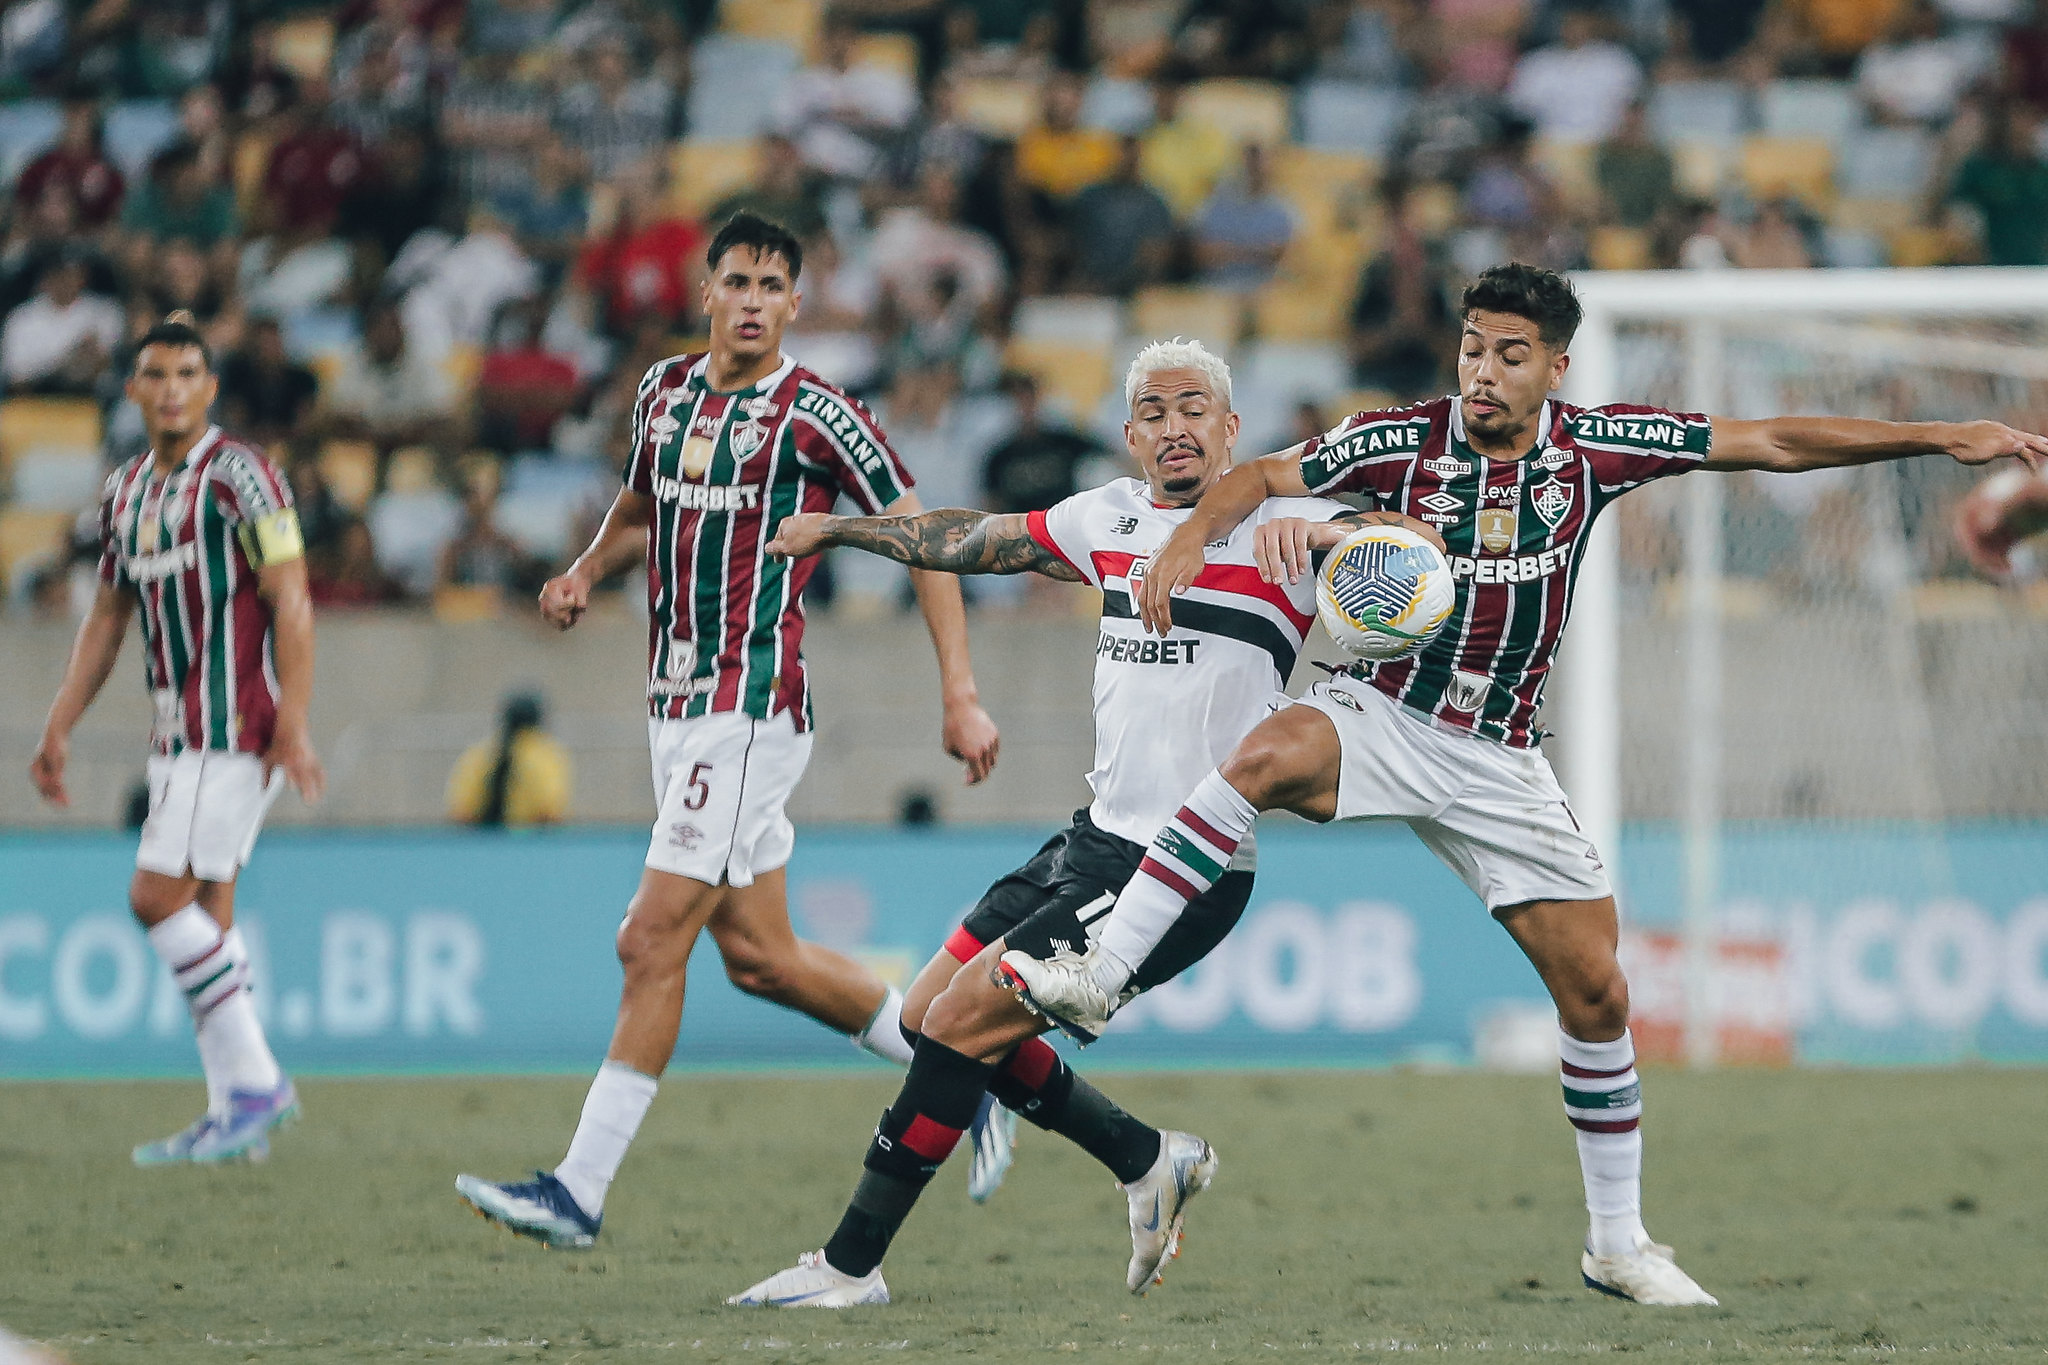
point(1124, 526)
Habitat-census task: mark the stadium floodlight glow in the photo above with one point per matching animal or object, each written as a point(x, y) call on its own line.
point(1714, 315)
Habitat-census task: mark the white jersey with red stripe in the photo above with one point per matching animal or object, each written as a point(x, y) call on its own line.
point(1169, 709)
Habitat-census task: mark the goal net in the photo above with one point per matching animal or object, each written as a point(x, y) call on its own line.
point(1818, 734)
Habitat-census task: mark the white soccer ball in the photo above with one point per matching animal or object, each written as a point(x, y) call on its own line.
point(1384, 593)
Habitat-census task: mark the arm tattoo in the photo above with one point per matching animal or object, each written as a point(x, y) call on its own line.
point(953, 540)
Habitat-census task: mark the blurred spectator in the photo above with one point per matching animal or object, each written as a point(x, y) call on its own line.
point(522, 777)
point(1509, 191)
point(454, 289)
point(1123, 230)
point(1267, 39)
point(1920, 73)
point(402, 192)
point(1056, 157)
point(383, 394)
point(350, 576)
point(2026, 58)
point(2006, 182)
point(937, 334)
point(1369, 41)
point(32, 42)
point(1402, 326)
point(59, 340)
point(180, 279)
point(79, 163)
point(481, 555)
point(1477, 41)
point(546, 209)
point(1774, 239)
point(322, 517)
point(647, 265)
point(1840, 29)
point(781, 193)
point(1576, 89)
point(1715, 30)
point(1634, 173)
point(617, 118)
point(513, 26)
point(1184, 156)
point(840, 115)
point(942, 140)
point(1244, 229)
point(203, 126)
point(492, 121)
point(1035, 464)
point(314, 167)
point(380, 82)
point(180, 199)
point(523, 388)
point(1448, 122)
point(915, 244)
point(266, 396)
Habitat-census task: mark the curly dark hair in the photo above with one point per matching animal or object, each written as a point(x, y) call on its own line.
point(1544, 297)
point(180, 329)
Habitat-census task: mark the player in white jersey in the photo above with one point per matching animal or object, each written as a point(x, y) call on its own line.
point(1216, 674)
point(1446, 741)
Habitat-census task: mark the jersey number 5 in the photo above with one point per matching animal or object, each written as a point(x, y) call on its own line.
point(699, 789)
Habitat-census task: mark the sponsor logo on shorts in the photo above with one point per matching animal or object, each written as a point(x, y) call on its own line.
point(685, 837)
point(1343, 698)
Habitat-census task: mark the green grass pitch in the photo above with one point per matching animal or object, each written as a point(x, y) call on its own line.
point(1839, 1216)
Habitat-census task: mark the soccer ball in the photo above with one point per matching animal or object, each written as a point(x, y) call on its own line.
point(1384, 593)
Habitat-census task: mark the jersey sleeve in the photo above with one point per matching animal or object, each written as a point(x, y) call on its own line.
point(837, 433)
point(110, 570)
point(257, 501)
point(1628, 445)
point(638, 475)
point(1365, 453)
point(1062, 530)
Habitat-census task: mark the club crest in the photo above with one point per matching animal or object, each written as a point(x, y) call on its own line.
point(1497, 529)
point(745, 438)
point(1552, 499)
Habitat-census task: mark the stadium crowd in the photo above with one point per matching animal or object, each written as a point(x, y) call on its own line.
point(434, 243)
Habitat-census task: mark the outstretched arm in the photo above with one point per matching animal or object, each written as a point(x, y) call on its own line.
point(1234, 497)
point(948, 539)
point(91, 663)
point(1790, 445)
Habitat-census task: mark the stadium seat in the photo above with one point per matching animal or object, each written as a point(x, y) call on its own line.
point(29, 535)
point(57, 478)
point(1699, 168)
point(733, 86)
point(1243, 110)
point(350, 469)
point(996, 105)
point(1074, 376)
point(28, 128)
point(1809, 108)
point(1291, 312)
point(895, 52)
point(1570, 168)
point(249, 161)
point(789, 21)
point(1918, 245)
point(1887, 163)
point(305, 46)
point(1697, 111)
point(458, 603)
point(136, 130)
point(28, 424)
point(1296, 370)
point(1117, 105)
point(1347, 116)
point(702, 173)
point(1210, 316)
point(1884, 217)
point(410, 471)
point(1853, 248)
point(1324, 187)
point(1619, 248)
point(1081, 320)
point(1800, 166)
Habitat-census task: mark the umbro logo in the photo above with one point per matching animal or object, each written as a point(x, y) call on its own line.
point(1124, 526)
point(1441, 502)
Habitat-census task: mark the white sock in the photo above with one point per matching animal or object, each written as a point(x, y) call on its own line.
point(883, 1035)
point(612, 1111)
point(1187, 858)
point(1605, 1104)
point(212, 972)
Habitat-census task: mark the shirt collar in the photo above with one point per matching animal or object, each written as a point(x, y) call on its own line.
point(701, 374)
point(199, 447)
point(1543, 420)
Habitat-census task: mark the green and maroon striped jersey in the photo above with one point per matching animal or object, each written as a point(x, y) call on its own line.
point(726, 618)
point(181, 542)
point(1516, 530)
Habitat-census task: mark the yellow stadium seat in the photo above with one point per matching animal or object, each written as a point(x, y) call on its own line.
point(702, 173)
point(350, 469)
point(1322, 187)
point(1289, 312)
point(1243, 111)
point(411, 471)
point(27, 536)
point(795, 22)
point(997, 105)
point(251, 159)
point(1078, 376)
point(1207, 315)
point(895, 52)
point(1923, 246)
point(59, 423)
point(1698, 168)
point(1884, 217)
point(1570, 168)
point(1803, 167)
point(1433, 208)
point(305, 46)
point(1619, 248)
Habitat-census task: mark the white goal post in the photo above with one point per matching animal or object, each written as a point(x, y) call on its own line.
point(1849, 317)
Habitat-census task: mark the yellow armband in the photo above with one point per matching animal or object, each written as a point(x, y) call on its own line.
point(273, 539)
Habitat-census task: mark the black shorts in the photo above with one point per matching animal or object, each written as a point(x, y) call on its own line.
point(1072, 882)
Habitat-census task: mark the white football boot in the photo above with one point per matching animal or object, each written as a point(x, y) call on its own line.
point(1646, 1275)
point(811, 1283)
point(1065, 989)
point(1159, 1201)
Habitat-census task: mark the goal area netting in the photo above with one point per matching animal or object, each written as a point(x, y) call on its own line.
point(1792, 691)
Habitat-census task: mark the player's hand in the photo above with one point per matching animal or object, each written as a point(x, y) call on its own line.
point(564, 598)
point(1998, 514)
point(1983, 442)
point(800, 535)
point(292, 751)
point(1172, 569)
point(1281, 548)
point(970, 736)
point(46, 769)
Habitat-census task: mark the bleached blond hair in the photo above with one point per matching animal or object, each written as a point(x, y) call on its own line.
point(1177, 354)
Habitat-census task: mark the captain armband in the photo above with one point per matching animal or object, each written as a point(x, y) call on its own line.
point(273, 538)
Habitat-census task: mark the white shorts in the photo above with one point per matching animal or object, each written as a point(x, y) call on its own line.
point(722, 783)
point(1493, 814)
point(205, 810)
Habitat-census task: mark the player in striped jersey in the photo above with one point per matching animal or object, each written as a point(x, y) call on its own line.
point(725, 445)
point(1217, 673)
point(1447, 741)
point(199, 532)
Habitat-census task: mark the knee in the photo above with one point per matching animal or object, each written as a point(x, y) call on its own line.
point(1261, 769)
point(647, 940)
point(950, 1017)
point(755, 971)
point(1595, 1009)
